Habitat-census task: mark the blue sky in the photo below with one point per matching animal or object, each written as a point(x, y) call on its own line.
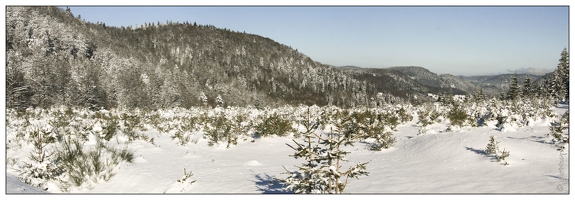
point(456, 40)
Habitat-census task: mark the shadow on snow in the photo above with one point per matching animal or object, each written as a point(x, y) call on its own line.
point(269, 185)
point(477, 151)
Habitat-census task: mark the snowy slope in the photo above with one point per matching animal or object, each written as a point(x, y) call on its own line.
point(435, 163)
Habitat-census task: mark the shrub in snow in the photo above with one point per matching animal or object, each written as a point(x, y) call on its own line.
point(82, 166)
point(429, 114)
point(182, 137)
point(42, 167)
point(404, 115)
point(373, 126)
point(382, 139)
point(220, 129)
point(423, 118)
point(241, 125)
point(457, 116)
point(186, 179)
point(501, 155)
point(492, 149)
point(131, 123)
point(181, 128)
point(321, 172)
point(511, 114)
point(38, 174)
point(60, 158)
point(273, 125)
point(560, 138)
point(491, 146)
point(111, 126)
point(392, 120)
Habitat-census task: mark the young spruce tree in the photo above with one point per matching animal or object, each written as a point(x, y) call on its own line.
point(322, 173)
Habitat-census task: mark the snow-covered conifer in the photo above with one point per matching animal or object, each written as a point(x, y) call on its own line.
point(513, 89)
point(527, 88)
point(560, 138)
point(322, 173)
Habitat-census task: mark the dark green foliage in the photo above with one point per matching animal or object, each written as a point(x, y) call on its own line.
point(18, 91)
point(527, 88)
point(131, 123)
point(112, 126)
point(125, 154)
point(371, 125)
point(273, 125)
point(561, 77)
point(220, 129)
point(457, 116)
point(513, 93)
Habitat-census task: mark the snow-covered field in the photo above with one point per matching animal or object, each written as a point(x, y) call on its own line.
point(438, 162)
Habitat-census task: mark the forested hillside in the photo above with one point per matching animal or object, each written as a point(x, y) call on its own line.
point(55, 58)
point(410, 82)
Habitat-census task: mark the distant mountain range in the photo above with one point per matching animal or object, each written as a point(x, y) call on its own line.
point(495, 83)
point(406, 81)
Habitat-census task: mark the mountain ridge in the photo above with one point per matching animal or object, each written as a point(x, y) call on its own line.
point(54, 58)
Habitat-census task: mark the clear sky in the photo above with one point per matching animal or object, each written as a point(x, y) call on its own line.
point(463, 40)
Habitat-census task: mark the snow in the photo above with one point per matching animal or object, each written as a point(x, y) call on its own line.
point(15, 186)
point(438, 162)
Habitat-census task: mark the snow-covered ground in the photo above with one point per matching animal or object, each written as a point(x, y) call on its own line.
point(438, 162)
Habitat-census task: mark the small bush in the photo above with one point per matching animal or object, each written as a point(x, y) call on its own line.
point(557, 132)
point(131, 124)
point(491, 146)
point(82, 166)
point(183, 137)
point(273, 125)
point(43, 167)
point(112, 126)
point(220, 129)
point(457, 116)
point(502, 155)
point(492, 149)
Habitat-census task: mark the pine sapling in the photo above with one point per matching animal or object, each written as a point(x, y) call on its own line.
point(308, 178)
point(501, 155)
point(493, 149)
point(43, 166)
point(322, 172)
point(557, 132)
point(491, 146)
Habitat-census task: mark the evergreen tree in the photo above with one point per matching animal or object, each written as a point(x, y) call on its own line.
point(479, 95)
point(513, 93)
point(527, 90)
point(560, 80)
point(321, 173)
